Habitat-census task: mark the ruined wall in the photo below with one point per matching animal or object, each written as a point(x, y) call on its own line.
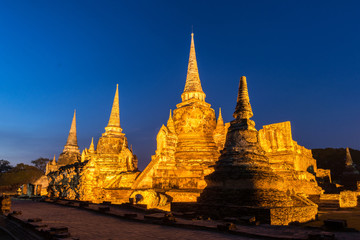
point(64, 183)
point(295, 162)
point(106, 174)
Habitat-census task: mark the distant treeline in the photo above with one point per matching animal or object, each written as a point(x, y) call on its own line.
point(334, 159)
point(11, 178)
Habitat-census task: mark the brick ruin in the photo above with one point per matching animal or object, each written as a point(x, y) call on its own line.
point(244, 181)
point(188, 147)
point(106, 173)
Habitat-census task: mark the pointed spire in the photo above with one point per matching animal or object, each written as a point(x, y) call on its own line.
point(53, 162)
point(220, 120)
point(83, 155)
point(170, 123)
point(220, 127)
point(348, 159)
point(114, 121)
point(243, 108)
point(72, 139)
point(193, 87)
point(92, 148)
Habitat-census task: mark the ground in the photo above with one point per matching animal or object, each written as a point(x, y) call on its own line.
point(88, 223)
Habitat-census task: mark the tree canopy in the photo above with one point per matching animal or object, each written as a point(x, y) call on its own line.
point(20, 174)
point(40, 163)
point(5, 166)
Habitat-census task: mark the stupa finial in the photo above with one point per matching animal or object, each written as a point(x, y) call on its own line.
point(170, 123)
point(92, 148)
point(114, 120)
point(72, 138)
point(220, 119)
point(348, 159)
point(243, 108)
point(193, 87)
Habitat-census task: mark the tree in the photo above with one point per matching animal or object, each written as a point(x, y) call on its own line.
point(40, 163)
point(5, 166)
point(20, 174)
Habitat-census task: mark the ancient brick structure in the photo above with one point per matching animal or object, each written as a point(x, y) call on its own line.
point(188, 144)
point(243, 179)
point(104, 174)
point(71, 152)
point(295, 163)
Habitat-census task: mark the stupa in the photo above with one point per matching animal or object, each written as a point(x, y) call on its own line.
point(350, 175)
point(71, 152)
point(188, 144)
point(111, 168)
point(102, 174)
point(243, 181)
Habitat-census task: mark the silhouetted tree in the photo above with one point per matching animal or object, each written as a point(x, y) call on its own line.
point(40, 163)
point(5, 166)
point(20, 174)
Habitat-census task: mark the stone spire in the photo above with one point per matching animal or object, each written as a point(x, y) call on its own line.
point(92, 148)
point(72, 139)
point(53, 162)
point(193, 87)
point(243, 108)
point(170, 123)
point(113, 126)
point(71, 143)
point(348, 159)
point(220, 121)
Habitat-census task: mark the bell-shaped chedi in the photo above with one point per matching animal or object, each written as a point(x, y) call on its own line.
point(350, 175)
point(105, 173)
point(243, 179)
point(71, 152)
point(111, 166)
point(185, 146)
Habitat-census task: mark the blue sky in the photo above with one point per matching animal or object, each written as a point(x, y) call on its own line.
point(301, 59)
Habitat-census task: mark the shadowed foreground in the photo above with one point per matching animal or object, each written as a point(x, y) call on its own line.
point(88, 225)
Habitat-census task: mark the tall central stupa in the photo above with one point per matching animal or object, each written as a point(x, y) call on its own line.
point(187, 145)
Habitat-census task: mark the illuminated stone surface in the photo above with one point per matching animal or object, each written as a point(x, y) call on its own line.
point(243, 176)
point(348, 199)
point(104, 174)
point(187, 145)
point(295, 163)
point(71, 152)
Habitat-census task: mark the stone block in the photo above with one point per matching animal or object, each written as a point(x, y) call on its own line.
point(130, 215)
point(348, 199)
point(5, 204)
point(34, 220)
point(83, 204)
point(104, 209)
point(335, 224)
point(168, 218)
point(321, 236)
point(226, 227)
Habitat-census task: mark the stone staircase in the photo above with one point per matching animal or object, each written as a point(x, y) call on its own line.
point(329, 201)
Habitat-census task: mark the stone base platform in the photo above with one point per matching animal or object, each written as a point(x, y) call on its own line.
point(273, 216)
point(184, 195)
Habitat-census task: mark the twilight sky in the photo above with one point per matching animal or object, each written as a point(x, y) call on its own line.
point(301, 60)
